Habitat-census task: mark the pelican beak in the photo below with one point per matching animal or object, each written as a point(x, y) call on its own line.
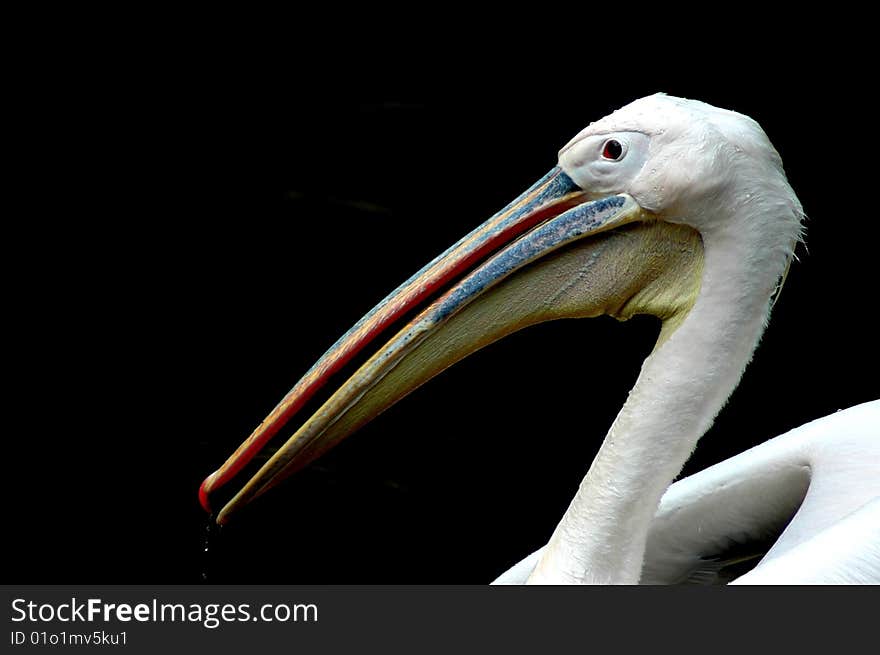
point(554, 252)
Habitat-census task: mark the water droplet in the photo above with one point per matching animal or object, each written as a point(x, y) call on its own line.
point(209, 543)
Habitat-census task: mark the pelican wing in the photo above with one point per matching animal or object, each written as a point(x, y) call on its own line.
point(807, 503)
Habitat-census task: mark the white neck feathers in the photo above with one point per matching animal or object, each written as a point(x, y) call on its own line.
point(682, 386)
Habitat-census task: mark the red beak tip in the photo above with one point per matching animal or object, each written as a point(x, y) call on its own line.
point(203, 496)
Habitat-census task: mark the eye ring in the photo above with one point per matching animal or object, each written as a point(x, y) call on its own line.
point(613, 150)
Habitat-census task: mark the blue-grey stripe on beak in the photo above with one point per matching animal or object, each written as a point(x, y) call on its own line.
point(565, 228)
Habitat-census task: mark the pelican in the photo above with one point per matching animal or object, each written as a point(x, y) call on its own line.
point(668, 207)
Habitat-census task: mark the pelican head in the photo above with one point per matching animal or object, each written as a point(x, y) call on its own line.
point(682, 160)
point(669, 207)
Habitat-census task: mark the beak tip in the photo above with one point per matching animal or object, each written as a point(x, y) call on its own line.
point(223, 517)
point(203, 495)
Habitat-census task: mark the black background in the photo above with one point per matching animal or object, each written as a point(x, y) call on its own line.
point(201, 224)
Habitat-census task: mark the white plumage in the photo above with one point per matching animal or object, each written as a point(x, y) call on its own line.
point(824, 474)
point(714, 170)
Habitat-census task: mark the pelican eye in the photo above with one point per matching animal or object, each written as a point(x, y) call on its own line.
point(612, 150)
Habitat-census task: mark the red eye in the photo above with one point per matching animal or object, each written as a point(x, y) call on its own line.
point(612, 149)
